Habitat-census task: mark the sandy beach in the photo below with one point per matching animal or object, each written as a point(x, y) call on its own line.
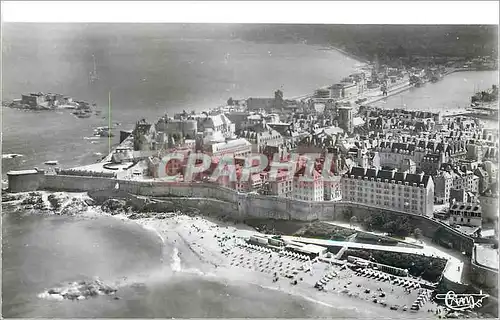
point(211, 250)
point(217, 251)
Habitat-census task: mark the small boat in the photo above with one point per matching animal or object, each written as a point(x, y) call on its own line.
point(103, 132)
point(52, 163)
point(81, 114)
point(11, 156)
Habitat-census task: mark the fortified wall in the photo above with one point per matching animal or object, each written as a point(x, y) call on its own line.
point(483, 275)
point(236, 204)
point(215, 200)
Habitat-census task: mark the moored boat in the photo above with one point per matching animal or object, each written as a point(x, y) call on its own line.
point(82, 114)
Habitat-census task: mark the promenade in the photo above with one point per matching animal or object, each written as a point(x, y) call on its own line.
point(453, 271)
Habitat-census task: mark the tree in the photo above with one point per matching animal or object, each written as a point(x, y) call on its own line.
point(354, 220)
point(278, 99)
point(417, 233)
point(230, 102)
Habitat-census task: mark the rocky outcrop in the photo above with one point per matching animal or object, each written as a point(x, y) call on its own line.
point(9, 197)
point(55, 201)
point(58, 203)
point(34, 201)
point(74, 207)
point(115, 206)
point(79, 290)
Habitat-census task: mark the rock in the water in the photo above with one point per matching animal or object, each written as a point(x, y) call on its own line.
point(56, 297)
point(80, 290)
point(114, 206)
point(11, 197)
point(76, 206)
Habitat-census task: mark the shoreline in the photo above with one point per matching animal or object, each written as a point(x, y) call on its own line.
point(350, 55)
point(203, 247)
point(176, 231)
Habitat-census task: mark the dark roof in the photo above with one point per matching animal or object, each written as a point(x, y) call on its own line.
point(371, 173)
point(390, 175)
point(385, 174)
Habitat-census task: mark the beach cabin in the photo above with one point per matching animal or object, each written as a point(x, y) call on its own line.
point(310, 250)
point(258, 240)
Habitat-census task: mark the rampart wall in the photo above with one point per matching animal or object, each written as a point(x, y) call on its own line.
point(215, 200)
point(253, 205)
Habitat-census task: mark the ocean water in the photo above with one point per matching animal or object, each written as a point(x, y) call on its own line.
point(453, 92)
point(148, 73)
point(39, 252)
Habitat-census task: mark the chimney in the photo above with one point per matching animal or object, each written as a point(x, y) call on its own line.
point(404, 174)
point(393, 172)
point(421, 176)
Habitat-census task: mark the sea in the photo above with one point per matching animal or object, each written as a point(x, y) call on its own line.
point(147, 73)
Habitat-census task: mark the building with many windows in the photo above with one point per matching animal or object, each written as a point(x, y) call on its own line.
point(467, 214)
point(413, 193)
point(260, 136)
point(332, 189)
point(280, 184)
point(308, 188)
point(443, 183)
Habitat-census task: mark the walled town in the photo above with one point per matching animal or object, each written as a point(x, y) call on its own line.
point(392, 206)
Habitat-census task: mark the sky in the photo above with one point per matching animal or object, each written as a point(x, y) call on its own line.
point(330, 12)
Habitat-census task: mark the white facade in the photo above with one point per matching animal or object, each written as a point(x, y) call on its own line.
point(237, 147)
point(412, 193)
point(332, 189)
point(443, 183)
point(311, 189)
point(281, 185)
point(217, 122)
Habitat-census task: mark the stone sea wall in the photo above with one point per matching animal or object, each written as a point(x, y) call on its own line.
point(215, 201)
point(76, 183)
point(249, 205)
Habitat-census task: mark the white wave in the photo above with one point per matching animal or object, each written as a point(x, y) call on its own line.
point(48, 296)
point(145, 225)
point(11, 155)
point(176, 263)
point(91, 138)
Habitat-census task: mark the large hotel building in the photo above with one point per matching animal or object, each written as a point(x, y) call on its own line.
point(402, 191)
